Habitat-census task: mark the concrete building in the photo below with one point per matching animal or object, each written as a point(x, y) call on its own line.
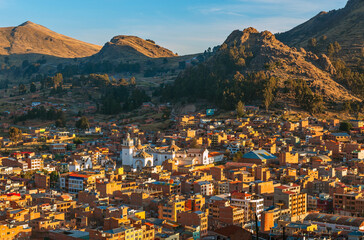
point(252, 204)
point(291, 198)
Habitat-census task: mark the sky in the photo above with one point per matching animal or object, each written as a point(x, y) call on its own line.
point(183, 26)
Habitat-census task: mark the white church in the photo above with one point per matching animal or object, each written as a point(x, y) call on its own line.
point(139, 156)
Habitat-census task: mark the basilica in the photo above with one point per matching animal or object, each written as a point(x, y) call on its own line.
point(138, 156)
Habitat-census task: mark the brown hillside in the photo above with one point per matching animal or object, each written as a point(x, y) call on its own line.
point(345, 25)
point(31, 38)
point(279, 60)
point(132, 47)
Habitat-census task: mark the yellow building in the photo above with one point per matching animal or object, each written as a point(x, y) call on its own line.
point(169, 208)
point(120, 171)
point(8, 231)
point(139, 214)
point(291, 198)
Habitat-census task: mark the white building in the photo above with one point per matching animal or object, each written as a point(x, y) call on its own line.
point(204, 188)
point(142, 159)
point(140, 156)
point(81, 164)
point(250, 203)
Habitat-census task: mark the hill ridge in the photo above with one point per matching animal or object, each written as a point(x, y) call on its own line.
point(345, 25)
point(32, 38)
point(251, 64)
point(126, 46)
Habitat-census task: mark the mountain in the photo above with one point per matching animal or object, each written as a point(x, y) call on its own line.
point(31, 38)
point(346, 26)
point(252, 65)
point(132, 48)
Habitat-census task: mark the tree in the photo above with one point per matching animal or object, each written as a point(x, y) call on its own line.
point(100, 80)
point(356, 108)
point(337, 47)
point(308, 100)
point(61, 121)
point(77, 141)
point(268, 98)
point(345, 126)
point(237, 156)
point(15, 134)
point(54, 177)
point(132, 81)
point(323, 38)
point(240, 109)
point(33, 87)
point(57, 80)
point(347, 107)
point(22, 89)
point(83, 123)
point(194, 143)
point(25, 64)
point(313, 42)
point(331, 49)
point(123, 82)
point(269, 91)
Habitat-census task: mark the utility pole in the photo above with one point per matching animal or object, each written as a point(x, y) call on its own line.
point(256, 226)
point(284, 233)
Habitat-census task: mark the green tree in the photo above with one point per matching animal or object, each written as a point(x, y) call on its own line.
point(61, 121)
point(77, 141)
point(83, 123)
point(57, 80)
point(240, 109)
point(356, 108)
point(268, 98)
point(15, 134)
point(54, 178)
point(237, 156)
point(166, 114)
point(100, 80)
point(22, 89)
point(269, 92)
point(308, 100)
point(33, 87)
point(345, 126)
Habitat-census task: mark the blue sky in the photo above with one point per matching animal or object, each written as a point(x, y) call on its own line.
point(184, 26)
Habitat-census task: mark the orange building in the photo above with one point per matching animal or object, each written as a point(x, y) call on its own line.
point(291, 198)
point(108, 188)
point(221, 210)
point(42, 180)
point(195, 203)
point(14, 231)
point(264, 187)
point(196, 218)
point(287, 158)
point(262, 173)
point(267, 220)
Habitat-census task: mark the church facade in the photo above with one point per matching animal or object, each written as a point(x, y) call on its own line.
point(139, 156)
